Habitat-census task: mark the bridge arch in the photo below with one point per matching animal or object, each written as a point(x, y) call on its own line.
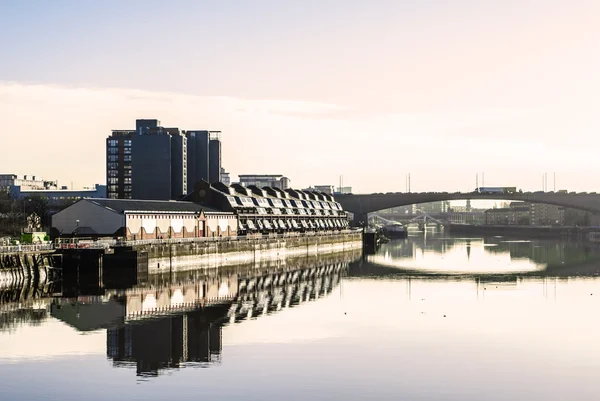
point(361, 205)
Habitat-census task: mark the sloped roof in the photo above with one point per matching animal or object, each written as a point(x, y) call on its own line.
point(135, 205)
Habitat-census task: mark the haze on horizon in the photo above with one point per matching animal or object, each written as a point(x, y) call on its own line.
point(312, 89)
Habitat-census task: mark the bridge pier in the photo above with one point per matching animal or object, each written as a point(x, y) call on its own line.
point(360, 220)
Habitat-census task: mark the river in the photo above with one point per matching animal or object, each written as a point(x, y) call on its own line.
point(432, 317)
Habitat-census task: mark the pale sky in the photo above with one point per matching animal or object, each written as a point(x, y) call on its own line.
point(310, 89)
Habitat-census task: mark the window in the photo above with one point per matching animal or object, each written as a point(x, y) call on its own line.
point(127, 158)
point(113, 180)
point(127, 180)
point(112, 196)
point(113, 166)
point(127, 151)
point(113, 158)
point(113, 173)
point(127, 142)
point(113, 142)
point(113, 188)
point(113, 151)
point(127, 173)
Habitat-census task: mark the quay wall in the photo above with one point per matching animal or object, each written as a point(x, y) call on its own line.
point(235, 251)
point(566, 233)
point(20, 267)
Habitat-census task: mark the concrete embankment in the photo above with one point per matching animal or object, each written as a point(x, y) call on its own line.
point(565, 233)
point(236, 251)
point(18, 267)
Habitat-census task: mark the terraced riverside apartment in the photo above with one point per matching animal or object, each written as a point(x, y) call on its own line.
point(211, 210)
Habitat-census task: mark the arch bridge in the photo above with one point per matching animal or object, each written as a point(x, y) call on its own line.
point(362, 205)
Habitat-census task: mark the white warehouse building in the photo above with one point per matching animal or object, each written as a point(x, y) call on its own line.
point(140, 219)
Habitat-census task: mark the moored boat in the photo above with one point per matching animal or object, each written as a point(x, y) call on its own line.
point(395, 230)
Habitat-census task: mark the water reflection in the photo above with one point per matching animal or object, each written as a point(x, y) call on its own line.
point(375, 331)
point(24, 300)
point(172, 321)
point(439, 254)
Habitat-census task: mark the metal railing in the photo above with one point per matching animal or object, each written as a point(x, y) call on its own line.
point(113, 243)
point(83, 245)
point(26, 248)
point(163, 241)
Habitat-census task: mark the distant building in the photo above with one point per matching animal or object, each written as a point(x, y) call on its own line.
point(56, 195)
point(327, 189)
point(519, 214)
point(158, 163)
point(473, 217)
point(225, 178)
point(524, 214)
point(25, 182)
point(343, 190)
point(546, 215)
point(436, 207)
point(497, 216)
point(265, 180)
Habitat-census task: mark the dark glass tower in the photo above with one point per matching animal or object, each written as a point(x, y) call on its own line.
point(214, 157)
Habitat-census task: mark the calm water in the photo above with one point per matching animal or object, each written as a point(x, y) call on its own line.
point(429, 318)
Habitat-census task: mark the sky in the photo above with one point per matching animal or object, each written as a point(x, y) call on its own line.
point(312, 89)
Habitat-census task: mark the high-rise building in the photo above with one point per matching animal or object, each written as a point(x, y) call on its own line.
point(154, 162)
point(118, 164)
point(197, 165)
point(143, 127)
point(158, 160)
point(214, 157)
point(179, 160)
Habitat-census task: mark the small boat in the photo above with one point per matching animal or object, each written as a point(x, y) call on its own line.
point(395, 230)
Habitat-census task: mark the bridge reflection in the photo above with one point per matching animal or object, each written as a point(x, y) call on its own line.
point(487, 255)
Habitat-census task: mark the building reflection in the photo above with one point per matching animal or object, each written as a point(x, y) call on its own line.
point(173, 321)
point(169, 342)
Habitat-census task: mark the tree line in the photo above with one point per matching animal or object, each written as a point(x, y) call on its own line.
point(14, 212)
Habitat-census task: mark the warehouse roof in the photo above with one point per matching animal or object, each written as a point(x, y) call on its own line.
point(135, 205)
